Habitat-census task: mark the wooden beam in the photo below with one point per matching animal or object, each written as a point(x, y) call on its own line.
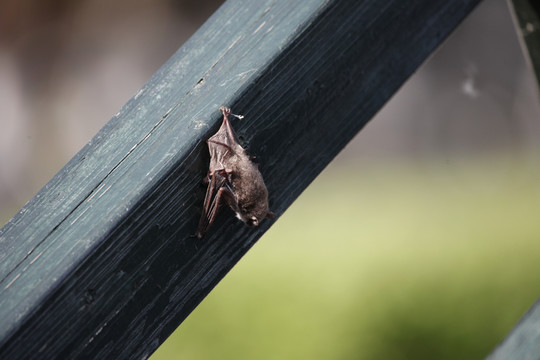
point(102, 262)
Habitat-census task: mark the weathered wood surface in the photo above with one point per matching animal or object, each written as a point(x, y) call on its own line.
point(102, 262)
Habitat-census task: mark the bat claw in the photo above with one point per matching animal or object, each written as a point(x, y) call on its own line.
point(225, 111)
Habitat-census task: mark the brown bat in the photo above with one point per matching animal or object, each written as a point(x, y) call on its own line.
point(232, 179)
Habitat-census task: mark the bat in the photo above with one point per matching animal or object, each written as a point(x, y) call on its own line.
point(233, 179)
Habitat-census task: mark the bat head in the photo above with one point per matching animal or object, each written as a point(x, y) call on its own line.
point(255, 216)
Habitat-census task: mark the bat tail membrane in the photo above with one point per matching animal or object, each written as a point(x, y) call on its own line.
point(226, 125)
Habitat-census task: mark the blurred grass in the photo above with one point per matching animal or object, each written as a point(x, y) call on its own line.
point(426, 260)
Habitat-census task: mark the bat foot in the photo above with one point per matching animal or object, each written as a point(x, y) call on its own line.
point(225, 111)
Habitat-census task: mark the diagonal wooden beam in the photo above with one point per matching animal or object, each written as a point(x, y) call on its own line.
point(102, 262)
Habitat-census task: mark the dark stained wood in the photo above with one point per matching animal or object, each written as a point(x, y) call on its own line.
point(103, 263)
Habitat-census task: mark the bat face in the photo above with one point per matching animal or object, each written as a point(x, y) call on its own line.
point(233, 179)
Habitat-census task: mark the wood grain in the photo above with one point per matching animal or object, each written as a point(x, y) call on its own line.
point(102, 263)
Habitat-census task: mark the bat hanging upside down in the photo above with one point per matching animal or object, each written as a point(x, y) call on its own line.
point(232, 179)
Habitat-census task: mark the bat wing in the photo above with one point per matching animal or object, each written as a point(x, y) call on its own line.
point(218, 191)
point(225, 135)
point(222, 144)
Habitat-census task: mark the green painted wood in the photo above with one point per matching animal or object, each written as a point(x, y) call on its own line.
point(527, 18)
point(102, 262)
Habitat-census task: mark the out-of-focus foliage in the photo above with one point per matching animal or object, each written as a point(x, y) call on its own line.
point(406, 261)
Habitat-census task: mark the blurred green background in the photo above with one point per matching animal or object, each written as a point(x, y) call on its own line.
point(402, 261)
point(420, 241)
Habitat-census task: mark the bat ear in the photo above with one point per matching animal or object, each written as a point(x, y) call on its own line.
point(270, 215)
